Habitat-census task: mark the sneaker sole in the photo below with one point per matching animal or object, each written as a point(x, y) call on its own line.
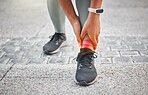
point(57, 50)
point(84, 83)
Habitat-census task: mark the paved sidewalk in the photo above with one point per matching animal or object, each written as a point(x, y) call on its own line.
point(111, 50)
point(122, 62)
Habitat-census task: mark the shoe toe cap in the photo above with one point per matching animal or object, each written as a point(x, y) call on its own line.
point(87, 77)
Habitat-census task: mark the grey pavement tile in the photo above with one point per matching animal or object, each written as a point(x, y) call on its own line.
point(50, 79)
point(119, 47)
point(140, 59)
point(3, 40)
point(37, 61)
point(109, 53)
point(34, 40)
point(129, 53)
point(15, 41)
point(26, 48)
point(101, 60)
point(130, 39)
point(137, 47)
point(144, 53)
point(67, 49)
point(143, 39)
point(26, 43)
point(10, 48)
point(58, 60)
point(4, 60)
point(15, 55)
point(130, 43)
point(42, 43)
point(111, 40)
point(18, 61)
point(71, 54)
point(103, 48)
point(37, 48)
point(32, 54)
point(1, 53)
point(122, 59)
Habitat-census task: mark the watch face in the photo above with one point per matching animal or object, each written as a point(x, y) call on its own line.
point(99, 11)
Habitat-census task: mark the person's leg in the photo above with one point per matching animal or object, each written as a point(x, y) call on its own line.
point(58, 20)
point(82, 7)
point(86, 71)
point(57, 16)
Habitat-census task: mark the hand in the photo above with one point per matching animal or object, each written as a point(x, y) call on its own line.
point(92, 28)
point(77, 30)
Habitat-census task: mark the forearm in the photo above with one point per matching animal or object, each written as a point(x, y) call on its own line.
point(95, 3)
point(68, 10)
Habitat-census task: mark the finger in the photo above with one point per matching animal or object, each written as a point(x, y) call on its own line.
point(79, 41)
point(83, 33)
point(94, 41)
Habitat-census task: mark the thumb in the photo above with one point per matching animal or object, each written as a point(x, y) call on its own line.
point(79, 41)
point(83, 33)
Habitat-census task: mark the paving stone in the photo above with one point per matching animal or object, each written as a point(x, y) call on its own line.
point(4, 40)
point(15, 41)
point(138, 47)
point(119, 47)
point(130, 40)
point(144, 39)
point(18, 61)
point(102, 48)
point(140, 59)
point(32, 54)
point(34, 40)
point(129, 53)
point(67, 49)
point(37, 48)
point(69, 54)
point(26, 43)
point(42, 43)
point(103, 60)
point(4, 60)
point(38, 61)
point(12, 49)
point(26, 48)
point(1, 53)
point(58, 60)
point(12, 43)
point(122, 59)
point(17, 54)
point(111, 40)
point(109, 53)
point(144, 53)
point(44, 39)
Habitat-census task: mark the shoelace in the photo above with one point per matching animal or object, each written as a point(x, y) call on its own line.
point(86, 58)
point(53, 37)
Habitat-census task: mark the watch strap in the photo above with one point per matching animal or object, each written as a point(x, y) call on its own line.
point(95, 10)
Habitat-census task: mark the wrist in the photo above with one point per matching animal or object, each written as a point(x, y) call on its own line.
point(93, 15)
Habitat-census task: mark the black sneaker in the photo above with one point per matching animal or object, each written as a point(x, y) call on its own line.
point(86, 71)
point(56, 41)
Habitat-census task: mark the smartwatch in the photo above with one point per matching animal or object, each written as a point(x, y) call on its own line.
point(95, 10)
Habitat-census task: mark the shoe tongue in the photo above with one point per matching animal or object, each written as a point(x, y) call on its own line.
point(86, 50)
